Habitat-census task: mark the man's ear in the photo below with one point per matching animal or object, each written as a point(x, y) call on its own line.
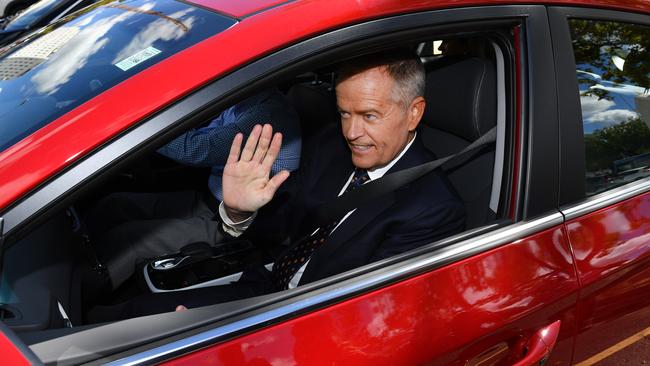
point(415, 112)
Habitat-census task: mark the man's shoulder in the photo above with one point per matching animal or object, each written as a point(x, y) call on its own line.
point(437, 184)
point(432, 188)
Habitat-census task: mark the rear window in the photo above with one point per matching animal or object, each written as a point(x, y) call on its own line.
point(67, 63)
point(613, 71)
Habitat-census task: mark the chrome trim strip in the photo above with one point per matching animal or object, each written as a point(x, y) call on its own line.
point(217, 281)
point(606, 199)
point(499, 152)
point(348, 288)
point(65, 12)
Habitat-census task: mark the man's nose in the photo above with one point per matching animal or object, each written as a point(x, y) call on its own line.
point(355, 128)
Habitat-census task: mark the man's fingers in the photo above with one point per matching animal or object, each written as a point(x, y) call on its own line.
point(275, 182)
point(181, 308)
point(235, 148)
point(263, 144)
point(251, 143)
point(273, 152)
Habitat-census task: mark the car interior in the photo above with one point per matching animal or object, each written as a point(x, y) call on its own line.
point(49, 274)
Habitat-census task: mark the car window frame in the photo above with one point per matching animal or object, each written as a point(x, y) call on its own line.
point(573, 199)
point(227, 90)
point(146, 136)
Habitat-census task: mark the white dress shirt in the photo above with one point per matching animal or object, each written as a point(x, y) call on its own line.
point(237, 228)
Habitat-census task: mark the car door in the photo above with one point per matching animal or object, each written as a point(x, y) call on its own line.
point(603, 66)
point(501, 293)
point(505, 295)
point(13, 350)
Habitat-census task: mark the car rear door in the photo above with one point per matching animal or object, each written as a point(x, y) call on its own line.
point(603, 69)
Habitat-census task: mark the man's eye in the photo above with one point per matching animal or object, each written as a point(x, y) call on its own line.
point(344, 114)
point(370, 117)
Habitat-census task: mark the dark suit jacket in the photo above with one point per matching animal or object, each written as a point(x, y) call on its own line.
point(416, 214)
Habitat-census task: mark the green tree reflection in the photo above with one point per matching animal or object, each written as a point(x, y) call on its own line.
point(616, 142)
point(597, 43)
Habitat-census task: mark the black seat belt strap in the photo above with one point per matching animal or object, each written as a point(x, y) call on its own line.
point(347, 202)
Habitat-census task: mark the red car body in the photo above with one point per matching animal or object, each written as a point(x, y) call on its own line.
point(565, 285)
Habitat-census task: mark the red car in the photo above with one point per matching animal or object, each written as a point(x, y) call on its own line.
point(553, 267)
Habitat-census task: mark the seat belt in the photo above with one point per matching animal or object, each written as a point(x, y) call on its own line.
point(347, 202)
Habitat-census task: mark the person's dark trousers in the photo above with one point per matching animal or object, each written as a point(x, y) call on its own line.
point(126, 228)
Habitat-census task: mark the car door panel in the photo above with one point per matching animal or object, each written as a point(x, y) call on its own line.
point(612, 250)
point(14, 352)
point(481, 310)
point(10, 353)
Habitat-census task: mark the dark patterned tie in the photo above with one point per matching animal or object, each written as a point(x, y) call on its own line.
point(295, 257)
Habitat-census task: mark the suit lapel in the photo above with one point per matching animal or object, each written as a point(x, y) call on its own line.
point(351, 226)
point(361, 217)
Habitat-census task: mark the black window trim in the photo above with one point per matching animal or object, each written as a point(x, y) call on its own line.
point(166, 123)
point(538, 108)
point(573, 201)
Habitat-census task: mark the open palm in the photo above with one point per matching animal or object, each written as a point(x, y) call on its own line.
point(246, 182)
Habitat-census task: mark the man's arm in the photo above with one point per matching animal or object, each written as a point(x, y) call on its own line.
point(203, 147)
point(210, 145)
point(423, 227)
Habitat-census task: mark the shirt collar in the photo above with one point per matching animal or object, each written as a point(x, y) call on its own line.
point(379, 172)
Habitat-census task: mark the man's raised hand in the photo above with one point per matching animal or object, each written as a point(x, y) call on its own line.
point(246, 183)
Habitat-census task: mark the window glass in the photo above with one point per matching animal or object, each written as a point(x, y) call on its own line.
point(67, 63)
point(613, 70)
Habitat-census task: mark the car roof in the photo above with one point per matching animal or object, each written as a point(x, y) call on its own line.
point(56, 146)
point(239, 9)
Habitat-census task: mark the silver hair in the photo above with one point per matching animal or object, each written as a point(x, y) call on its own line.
point(409, 78)
point(403, 66)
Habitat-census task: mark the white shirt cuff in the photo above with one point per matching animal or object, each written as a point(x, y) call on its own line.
point(234, 228)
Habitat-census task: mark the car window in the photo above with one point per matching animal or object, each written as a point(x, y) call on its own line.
point(613, 71)
point(68, 63)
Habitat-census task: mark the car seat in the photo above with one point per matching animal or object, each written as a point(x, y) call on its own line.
point(461, 106)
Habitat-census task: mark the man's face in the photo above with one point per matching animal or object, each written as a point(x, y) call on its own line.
point(376, 125)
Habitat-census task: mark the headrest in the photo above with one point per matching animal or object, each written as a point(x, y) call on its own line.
point(462, 98)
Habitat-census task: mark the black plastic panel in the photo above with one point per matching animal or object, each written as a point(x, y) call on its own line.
point(540, 121)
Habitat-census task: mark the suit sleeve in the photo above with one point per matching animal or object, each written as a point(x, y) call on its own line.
point(422, 227)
